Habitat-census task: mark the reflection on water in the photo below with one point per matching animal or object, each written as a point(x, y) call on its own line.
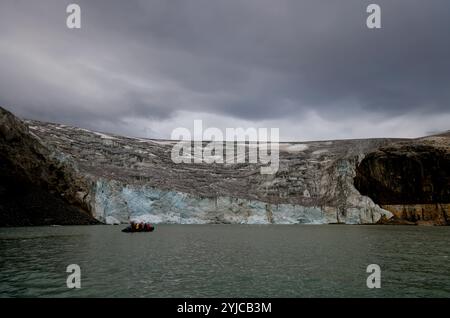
point(226, 261)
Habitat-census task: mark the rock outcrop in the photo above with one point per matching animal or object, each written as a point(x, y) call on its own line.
point(411, 179)
point(35, 187)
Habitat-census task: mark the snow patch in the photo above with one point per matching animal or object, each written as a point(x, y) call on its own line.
point(294, 148)
point(163, 142)
point(103, 136)
point(320, 151)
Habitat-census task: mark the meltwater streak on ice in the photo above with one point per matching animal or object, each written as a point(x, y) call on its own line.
point(226, 260)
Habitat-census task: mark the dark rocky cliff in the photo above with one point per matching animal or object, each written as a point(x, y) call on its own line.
point(34, 188)
point(411, 179)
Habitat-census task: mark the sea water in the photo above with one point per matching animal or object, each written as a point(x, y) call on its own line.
point(226, 261)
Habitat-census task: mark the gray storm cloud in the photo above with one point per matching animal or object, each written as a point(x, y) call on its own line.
point(311, 68)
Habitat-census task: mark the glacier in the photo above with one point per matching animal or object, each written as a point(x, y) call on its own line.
point(117, 202)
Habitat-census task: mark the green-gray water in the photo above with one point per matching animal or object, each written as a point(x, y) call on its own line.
point(226, 261)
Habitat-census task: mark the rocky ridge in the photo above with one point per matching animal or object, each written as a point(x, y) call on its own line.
point(411, 179)
point(37, 186)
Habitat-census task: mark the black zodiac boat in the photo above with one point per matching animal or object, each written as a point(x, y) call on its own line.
point(139, 227)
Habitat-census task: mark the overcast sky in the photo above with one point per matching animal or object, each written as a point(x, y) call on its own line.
point(311, 68)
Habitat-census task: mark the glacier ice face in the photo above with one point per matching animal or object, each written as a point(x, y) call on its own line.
point(117, 202)
point(112, 220)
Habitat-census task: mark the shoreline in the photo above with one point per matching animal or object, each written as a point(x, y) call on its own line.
point(247, 224)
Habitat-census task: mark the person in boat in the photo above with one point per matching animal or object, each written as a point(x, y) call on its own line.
point(139, 227)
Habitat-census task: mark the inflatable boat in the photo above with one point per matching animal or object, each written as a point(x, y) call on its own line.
point(139, 227)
